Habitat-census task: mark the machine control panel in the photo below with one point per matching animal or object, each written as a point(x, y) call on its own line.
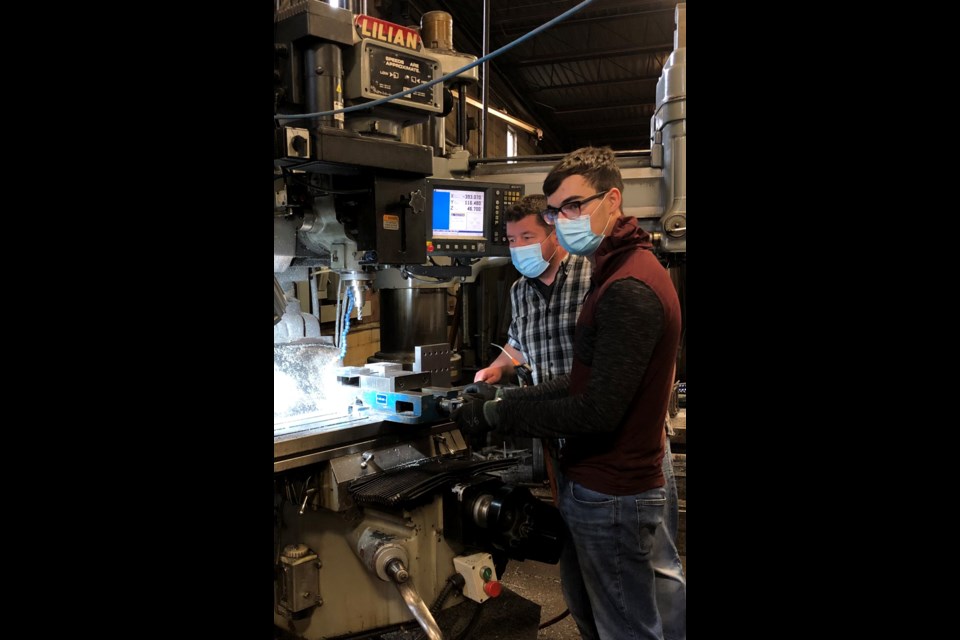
point(466, 218)
point(503, 200)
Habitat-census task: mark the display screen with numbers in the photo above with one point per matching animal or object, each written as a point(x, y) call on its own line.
point(458, 213)
point(465, 217)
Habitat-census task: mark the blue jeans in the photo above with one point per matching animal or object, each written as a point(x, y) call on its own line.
point(618, 554)
point(671, 584)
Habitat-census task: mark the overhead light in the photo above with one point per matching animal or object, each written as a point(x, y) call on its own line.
point(520, 124)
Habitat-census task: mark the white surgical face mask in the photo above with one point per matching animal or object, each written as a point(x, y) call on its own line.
point(529, 259)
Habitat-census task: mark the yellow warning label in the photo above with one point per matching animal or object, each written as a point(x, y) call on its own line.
point(391, 222)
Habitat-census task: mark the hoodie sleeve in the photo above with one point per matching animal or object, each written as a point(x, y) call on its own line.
point(550, 389)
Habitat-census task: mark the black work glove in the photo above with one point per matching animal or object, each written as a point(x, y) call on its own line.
point(482, 389)
point(469, 415)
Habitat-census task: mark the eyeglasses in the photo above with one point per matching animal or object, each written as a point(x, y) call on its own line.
point(570, 210)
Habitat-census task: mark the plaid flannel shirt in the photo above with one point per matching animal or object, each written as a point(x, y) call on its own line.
point(544, 332)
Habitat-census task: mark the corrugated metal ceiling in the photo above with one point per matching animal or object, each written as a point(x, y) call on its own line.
point(589, 80)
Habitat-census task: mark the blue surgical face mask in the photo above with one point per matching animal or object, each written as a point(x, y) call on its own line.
point(577, 237)
point(529, 259)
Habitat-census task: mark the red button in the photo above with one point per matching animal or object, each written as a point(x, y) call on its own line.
point(492, 588)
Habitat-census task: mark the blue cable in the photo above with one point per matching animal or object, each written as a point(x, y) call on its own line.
point(369, 105)
point(346, 324)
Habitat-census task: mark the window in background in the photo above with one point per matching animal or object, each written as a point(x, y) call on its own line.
point(511, 142)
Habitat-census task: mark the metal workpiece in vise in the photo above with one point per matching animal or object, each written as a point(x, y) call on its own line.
point(405, 396)
point(384, 555)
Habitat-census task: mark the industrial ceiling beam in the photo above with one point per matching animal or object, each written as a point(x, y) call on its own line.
point(619, 143)
point(595, 83)
point(646, 106)
point(641, 136)
point(543, 11)
point(540, 61)
point(527, 24)
point(618, 124)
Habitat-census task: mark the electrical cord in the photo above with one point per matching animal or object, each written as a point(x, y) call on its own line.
point(346, 323)
point(554, 620)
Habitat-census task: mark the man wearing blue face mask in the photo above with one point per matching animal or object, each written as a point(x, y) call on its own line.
point(545, 301)
point(610, 411)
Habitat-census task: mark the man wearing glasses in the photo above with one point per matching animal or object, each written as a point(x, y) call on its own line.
point(610, 409)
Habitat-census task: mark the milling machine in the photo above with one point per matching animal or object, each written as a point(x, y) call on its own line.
point(383, 517)
point(380, 510)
